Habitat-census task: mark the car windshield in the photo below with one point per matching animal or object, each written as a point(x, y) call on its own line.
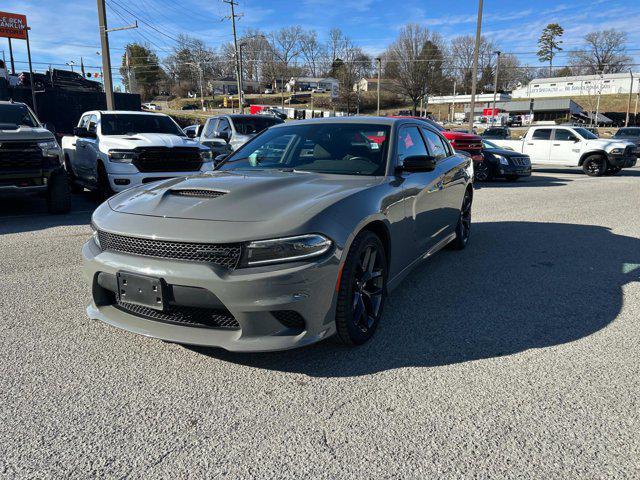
point(488, 144)
point(253, 125)
point(130, 124)
point(584, 133)
point(628, 132)
point(338, 148)
point(16, 114)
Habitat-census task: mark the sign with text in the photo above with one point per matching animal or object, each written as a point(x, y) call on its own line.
point(13, 25)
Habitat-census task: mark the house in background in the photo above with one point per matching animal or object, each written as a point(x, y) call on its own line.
point(371, 85)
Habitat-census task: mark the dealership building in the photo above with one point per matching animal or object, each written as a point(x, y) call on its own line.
point(611, 83)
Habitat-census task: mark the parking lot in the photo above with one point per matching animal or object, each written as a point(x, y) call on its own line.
point(517, 357)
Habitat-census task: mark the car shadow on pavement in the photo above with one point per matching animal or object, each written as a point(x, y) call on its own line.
point(26, 213)
point(532, 181)
point(518, 286)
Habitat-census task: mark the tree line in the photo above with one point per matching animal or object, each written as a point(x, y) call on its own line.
point(419, 62)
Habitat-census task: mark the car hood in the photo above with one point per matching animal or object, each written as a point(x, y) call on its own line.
point(146, 140)
point(25, 133)
point(240, 196)
point(504, 152)
point(604, 144)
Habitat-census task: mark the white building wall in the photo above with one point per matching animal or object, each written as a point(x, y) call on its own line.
point(615, 83)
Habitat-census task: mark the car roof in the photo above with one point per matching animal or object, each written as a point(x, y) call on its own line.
point(346, 120)
point(121, 112)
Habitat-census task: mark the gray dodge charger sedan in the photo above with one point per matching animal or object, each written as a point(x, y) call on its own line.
point(297, 236)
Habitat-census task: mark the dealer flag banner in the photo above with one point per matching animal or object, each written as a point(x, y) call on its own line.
point(13, 25)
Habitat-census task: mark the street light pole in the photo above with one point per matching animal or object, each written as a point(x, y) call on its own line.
point(474, 73)
point(626, 120)
point(233, 16)
point(379, 62)
point(106, 55)
point(495, 86)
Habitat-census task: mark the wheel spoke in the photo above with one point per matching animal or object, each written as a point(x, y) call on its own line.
point(359, 309)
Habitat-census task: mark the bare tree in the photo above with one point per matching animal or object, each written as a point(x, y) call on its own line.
point(336, 44)
point(461, 59)
point(414, 63)
point(351, 66)
point(312, 52)
point(512, 73)
point(604, 52)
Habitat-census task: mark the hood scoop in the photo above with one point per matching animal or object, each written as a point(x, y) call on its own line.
point(197, 192)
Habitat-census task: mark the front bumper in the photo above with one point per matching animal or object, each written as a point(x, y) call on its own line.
point(126, 179)
point(622, 161)
point(517, 170)
point(251, 295)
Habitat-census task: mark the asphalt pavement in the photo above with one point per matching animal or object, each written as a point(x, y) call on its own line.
point(516, 358)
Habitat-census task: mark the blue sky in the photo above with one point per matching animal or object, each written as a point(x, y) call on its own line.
point(65, 30)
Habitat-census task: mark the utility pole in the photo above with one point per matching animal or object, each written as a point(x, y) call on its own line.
point(635, 114)
point(233, 16)
point(495, 86)
point(13, 67)
point(626, 120)
point(379, 62)
point(474, 73)
point(241, 80)
point(106, 55)
point(453, 103)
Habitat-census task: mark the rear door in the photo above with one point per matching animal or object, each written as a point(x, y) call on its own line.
point(538, 145)
point(565, 147)
point(450, 171)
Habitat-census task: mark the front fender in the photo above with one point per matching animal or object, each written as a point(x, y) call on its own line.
point(584, 155)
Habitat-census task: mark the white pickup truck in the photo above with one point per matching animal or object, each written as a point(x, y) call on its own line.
point(574, 147)
point(111, 151)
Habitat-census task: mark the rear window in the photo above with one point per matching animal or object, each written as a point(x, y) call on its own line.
point(541, 134)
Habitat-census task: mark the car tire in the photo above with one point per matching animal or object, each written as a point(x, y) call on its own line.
point(58, 193)
point(463, 228)
point(594, 165)
point(612, 171)
point(71, 177)
point(482, 171)
point(362, 290)
point(104, 191)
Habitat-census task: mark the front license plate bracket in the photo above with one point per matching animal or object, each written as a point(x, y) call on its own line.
point(141, 290)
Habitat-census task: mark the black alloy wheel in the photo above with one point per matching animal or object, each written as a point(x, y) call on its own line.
point(595, 165)
point(362, 290)
point(482, 171)
point(463, 229)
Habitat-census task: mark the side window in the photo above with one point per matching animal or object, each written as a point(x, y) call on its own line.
point(435, 144)
point(541, 134)
point(83, 121)
point(410, 143)
point(92, 125)
point(564, 135)
point(223, 125)
point(210, 127)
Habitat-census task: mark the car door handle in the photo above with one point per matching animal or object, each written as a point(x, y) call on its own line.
point(556, 144)
point(530, 143)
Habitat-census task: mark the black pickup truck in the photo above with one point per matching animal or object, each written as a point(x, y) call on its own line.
point(30, 158)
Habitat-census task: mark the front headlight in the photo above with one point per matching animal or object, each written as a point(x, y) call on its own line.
point(287, 249)
point(122, 156)
point(502, 160)
point(616, 151)
point(95, 236)
point(206, 156)
point(49, 148)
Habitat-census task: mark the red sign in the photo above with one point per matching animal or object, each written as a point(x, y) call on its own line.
point(13, 25)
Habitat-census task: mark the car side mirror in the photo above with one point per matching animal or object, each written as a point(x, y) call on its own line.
point(50, 126)
point(191, 134)
point(418, 163)
point(219, 159)
point(222, 135)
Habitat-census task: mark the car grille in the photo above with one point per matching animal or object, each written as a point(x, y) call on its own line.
point(187, 316)
point(20, 157)
point(225, 255)
point(630, 151)
point(468, 144)
point(520, 161)
point(192, 192)
point(163, 159)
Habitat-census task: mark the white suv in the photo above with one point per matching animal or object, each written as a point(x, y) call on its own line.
point(111, 151)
